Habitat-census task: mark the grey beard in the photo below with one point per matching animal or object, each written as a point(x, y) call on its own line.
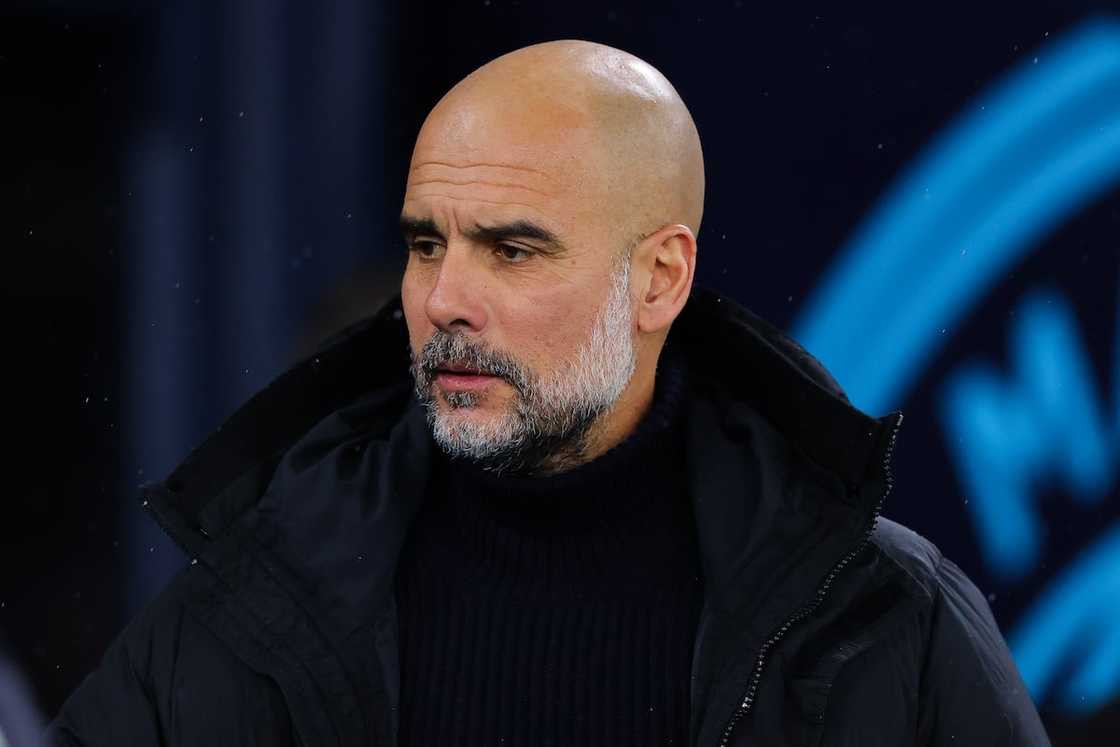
point(548, 425)
point(455, 400)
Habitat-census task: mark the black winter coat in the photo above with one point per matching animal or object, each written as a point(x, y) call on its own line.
point(823, 624)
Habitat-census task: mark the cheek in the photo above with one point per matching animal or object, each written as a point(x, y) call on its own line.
point(549, 329)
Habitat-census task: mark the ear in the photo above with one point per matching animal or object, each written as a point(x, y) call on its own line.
point(664, 264)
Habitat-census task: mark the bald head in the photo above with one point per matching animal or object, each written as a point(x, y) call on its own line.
point(550, 215)
point(596, 124)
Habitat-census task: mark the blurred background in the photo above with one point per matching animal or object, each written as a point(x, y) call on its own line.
point(194, 193)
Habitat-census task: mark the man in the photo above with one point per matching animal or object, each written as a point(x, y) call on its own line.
point(604, 508)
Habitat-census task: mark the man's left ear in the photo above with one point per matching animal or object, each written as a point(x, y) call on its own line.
point(665, 262)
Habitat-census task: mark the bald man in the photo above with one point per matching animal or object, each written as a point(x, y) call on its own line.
point(552, 494)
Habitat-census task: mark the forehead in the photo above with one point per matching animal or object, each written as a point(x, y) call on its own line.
point(498, 161)
point(487, 190)
point(432, 173)
point(479, 192)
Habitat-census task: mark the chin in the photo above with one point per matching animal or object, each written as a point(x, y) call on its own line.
point(484, 400)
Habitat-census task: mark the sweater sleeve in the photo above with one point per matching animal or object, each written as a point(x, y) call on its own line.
point(972, 690)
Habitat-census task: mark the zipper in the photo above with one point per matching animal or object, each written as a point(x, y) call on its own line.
point(775, 638)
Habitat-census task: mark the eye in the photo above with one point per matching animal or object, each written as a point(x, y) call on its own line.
point(425, 249)
point(512, 253)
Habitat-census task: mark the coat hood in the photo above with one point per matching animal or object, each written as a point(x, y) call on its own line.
point(733, 354)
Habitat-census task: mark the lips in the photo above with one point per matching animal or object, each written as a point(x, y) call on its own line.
point(461, 370)
point(452, 377)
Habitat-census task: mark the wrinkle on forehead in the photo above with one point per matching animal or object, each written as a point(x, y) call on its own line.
point(474, 198)
point(494, 178)
point(482, 182)
point(482, 164)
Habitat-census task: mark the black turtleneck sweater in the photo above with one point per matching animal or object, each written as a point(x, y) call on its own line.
point(554, 610)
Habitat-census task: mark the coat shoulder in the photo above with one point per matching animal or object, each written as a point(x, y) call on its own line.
point(915, 555)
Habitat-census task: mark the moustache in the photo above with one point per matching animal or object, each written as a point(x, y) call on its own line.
point(445, 349)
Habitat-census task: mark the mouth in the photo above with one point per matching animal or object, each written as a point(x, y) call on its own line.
point(460, 369)
point(457, 377)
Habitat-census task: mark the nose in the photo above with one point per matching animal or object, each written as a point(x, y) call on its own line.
point(455, 302)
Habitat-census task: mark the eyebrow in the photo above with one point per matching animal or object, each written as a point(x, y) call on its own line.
point(525, 229)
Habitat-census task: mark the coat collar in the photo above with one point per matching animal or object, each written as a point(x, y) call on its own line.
point(741, 358)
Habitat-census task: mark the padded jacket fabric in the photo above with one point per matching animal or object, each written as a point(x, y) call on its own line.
point(823, 623)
